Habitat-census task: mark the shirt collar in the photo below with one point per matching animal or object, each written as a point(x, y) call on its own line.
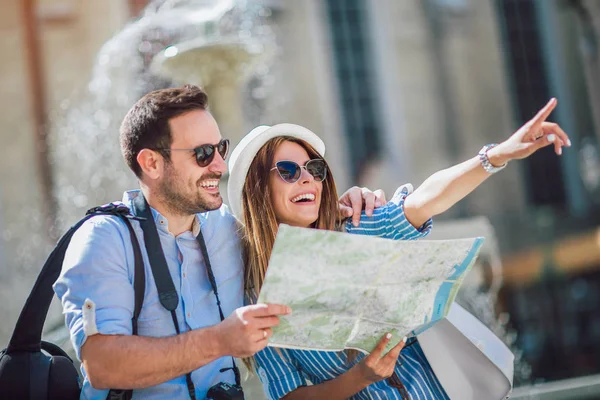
point(160, 221)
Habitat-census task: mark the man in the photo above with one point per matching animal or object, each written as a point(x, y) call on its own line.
point(173, 145)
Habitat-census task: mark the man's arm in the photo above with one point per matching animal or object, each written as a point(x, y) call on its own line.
point(445, 188)
point(132, 362)
point(95, 278)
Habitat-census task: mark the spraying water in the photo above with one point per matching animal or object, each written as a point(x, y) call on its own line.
point(144, 56)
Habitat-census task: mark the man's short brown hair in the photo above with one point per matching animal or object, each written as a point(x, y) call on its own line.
point(146, 125)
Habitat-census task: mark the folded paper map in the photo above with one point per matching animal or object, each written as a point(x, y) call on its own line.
point(346, 291)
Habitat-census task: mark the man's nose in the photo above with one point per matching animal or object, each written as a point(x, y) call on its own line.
point(218, 164)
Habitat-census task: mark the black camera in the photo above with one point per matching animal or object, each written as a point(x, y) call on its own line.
point(225, 391)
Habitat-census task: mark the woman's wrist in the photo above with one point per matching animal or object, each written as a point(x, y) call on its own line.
point(355, 376)
point(496, 156)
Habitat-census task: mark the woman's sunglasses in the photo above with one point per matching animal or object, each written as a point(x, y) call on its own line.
point(205, 154)
point(290, 171)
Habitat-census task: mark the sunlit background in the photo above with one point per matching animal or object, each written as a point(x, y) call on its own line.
point(397, 89)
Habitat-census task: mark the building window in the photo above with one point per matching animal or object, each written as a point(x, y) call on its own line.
point(528, 76)
point(348, 21)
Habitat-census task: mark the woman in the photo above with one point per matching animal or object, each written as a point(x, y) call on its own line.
point(277, 176)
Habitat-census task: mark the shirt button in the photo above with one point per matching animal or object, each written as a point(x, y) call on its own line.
point(184, 275)
point(262, 373)
point(189, 315)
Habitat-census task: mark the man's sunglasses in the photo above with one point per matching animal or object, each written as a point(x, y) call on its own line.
point(205, 154)
point(290, 171)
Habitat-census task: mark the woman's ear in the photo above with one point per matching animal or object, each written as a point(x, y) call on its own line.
point(151, 163)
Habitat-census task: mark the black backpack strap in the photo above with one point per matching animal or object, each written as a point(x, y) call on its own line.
point(28, 331)
point(27, 334)
point(167, 294)
point(139, 278)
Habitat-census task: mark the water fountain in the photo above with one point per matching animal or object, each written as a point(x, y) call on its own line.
point(216, 44)
point(221, 65)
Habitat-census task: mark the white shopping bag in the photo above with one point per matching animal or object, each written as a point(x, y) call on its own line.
point(470, 362)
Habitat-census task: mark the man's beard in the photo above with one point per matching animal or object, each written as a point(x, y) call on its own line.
point(177, 201)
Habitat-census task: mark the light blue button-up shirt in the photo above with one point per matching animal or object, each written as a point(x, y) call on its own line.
point(99, 266)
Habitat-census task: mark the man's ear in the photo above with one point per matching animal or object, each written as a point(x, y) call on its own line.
point(151, 163)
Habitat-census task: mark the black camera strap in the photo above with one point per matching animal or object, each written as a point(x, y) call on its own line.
point(213, 283)
point(168, 296)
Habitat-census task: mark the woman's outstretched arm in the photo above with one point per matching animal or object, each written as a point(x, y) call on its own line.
point(445, 188)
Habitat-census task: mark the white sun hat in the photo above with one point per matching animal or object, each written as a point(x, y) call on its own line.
point(244, 153)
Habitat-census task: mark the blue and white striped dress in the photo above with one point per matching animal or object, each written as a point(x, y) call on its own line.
point(281, 375)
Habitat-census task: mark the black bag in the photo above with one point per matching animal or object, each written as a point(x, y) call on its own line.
point(28, 373)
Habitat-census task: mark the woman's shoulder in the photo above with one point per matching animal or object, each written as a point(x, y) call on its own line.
point(400, 194)
point(381, 215)
point(389, 220)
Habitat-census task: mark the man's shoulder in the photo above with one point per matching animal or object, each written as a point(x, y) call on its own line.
point(379, 221)
point(103, 224)
point(98, 239)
